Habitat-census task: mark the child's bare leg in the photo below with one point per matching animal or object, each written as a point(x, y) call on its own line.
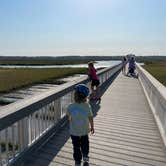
point(93, 91)
point(98, 92)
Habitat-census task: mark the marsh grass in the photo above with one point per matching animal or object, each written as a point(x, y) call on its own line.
point(158, 70)
point(11, 79)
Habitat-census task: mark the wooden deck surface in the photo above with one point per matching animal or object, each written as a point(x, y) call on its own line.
point(125, 132)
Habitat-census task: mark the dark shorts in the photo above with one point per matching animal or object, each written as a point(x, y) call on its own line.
point(95, 82)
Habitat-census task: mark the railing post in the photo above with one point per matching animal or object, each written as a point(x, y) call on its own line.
point(26, 133)
point(20, 135)
point(57, 106)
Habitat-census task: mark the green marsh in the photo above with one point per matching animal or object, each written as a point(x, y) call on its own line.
point(11, 79)
point(157, 69)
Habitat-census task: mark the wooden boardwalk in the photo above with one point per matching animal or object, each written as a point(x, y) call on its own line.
point(125, 132)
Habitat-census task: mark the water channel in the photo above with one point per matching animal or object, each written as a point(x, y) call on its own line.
point(98, 64)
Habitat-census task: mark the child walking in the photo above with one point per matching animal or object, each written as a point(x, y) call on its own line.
point(81, 123)
point(94, 81)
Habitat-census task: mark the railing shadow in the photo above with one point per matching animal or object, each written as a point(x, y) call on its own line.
point(95, 105)
point(46, 154)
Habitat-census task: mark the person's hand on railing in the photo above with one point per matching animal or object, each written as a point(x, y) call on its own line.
point(91, 125)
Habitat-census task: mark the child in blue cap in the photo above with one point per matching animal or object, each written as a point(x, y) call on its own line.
point(80, 117)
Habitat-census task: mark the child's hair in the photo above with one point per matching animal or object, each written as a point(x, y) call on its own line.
point(79, 97)
point(81, 93)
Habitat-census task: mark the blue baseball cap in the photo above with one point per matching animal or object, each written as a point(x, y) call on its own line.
point(82, 88)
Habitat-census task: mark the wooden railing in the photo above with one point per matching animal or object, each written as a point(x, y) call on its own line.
point(29, 122)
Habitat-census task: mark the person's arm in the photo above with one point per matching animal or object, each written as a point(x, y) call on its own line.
point(91, 125)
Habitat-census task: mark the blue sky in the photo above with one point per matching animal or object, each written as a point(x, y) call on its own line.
point(82, 27)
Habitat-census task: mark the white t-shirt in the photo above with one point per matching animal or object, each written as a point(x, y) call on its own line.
point(79, 118)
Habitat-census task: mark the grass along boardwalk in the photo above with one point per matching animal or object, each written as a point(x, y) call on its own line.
point(157, 69)
point(125, 132)
point(12, 79)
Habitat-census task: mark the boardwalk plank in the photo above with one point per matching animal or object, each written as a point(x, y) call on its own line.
point(147, 134)
point(118, 153)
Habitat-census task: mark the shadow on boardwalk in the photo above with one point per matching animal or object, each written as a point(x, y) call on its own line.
point(53, 147)
point(46, 154)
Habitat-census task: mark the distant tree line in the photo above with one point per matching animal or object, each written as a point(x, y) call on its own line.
point(61, 60)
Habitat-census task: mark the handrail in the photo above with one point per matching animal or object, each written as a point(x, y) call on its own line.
point(156, 95)
point(24, 122)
